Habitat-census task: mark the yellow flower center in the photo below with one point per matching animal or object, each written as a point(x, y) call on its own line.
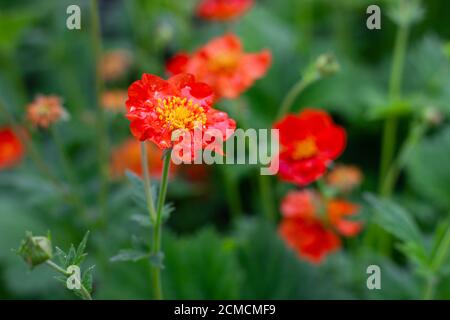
point(305, 148)
point(224, 62)
point(180, 113)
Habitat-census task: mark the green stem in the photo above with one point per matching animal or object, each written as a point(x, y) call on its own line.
point(69, 172)
point(416, 133)
point(437, 261)
point(295, 91)
point(147, 183)
point(83, 291)
point(395, 82)
point(158, 224)
point(232, 192)
point(101, 122)
point(267, 201)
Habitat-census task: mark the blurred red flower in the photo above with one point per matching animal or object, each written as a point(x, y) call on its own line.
point(345, 178)
point(45, 110)
point(114, 100)
point(223, 10)
point(127, 156)
point(115, 63)
point(157, 107)
point(309, 141)
point(11, 148)
point(311, 224)
point(223, 65)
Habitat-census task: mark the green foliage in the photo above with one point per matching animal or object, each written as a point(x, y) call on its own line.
point(427, 171)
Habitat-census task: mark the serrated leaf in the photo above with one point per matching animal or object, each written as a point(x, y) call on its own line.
point(82, 245)
point(138, 190)
point(133, 255)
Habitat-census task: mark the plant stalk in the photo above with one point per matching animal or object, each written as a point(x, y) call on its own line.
point(158, 224)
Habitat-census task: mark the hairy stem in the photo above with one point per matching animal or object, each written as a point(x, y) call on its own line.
point(157, 288)
point(83, 291)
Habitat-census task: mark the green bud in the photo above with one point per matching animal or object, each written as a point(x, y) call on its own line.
point(35, 250)
point(327, 65)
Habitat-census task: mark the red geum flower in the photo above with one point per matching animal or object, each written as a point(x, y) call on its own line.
point(311, 224)
point(339, 209)
point(157, 107)
point(223, 65)
point(223, 10)
point(127, 156)
point(309, 142)
point(45, 110)
point(11, 148)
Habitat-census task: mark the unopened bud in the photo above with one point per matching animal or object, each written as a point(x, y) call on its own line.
point(327, 65)
point(35, 250)
point(433, 116)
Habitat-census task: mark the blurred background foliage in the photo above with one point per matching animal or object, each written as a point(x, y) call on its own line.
point(206, 254)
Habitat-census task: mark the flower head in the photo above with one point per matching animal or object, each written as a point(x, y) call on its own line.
point(45, 110)
point(223, 65)
point(309, 142)
point(11, 148)
point(344, 178)
point(311, 225)
point(223, 10)
point(157, 108)
point(114, 64)
point(127, 156)
point(114, 100)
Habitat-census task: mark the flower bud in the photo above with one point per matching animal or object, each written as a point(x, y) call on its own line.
point(35, 250)
point(327, 65)
point(433, 116)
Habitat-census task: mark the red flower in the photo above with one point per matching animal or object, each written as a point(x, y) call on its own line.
point(337, 211)
point(177, 64)
point(223, 65)
point(223, 10)
point(311, 224)
point(127, 156)
point(11, 148)
point(309, 238)
point(309, 142)
point(157, 107)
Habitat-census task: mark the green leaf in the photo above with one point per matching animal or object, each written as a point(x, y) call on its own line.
point(138, 190)
point(133, 255)
point(428, 169)
point(394, 219)
point(199, 266)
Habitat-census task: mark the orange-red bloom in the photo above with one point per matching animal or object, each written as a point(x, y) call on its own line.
point(11, 148)
point(45, 110)
point(345, 178)
point(311, 224)
point(223, 10)
point(114, 100)
point(157, 107)
point(115, 63)
point(309, 142)
point(223, 65)
point(127, 156)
